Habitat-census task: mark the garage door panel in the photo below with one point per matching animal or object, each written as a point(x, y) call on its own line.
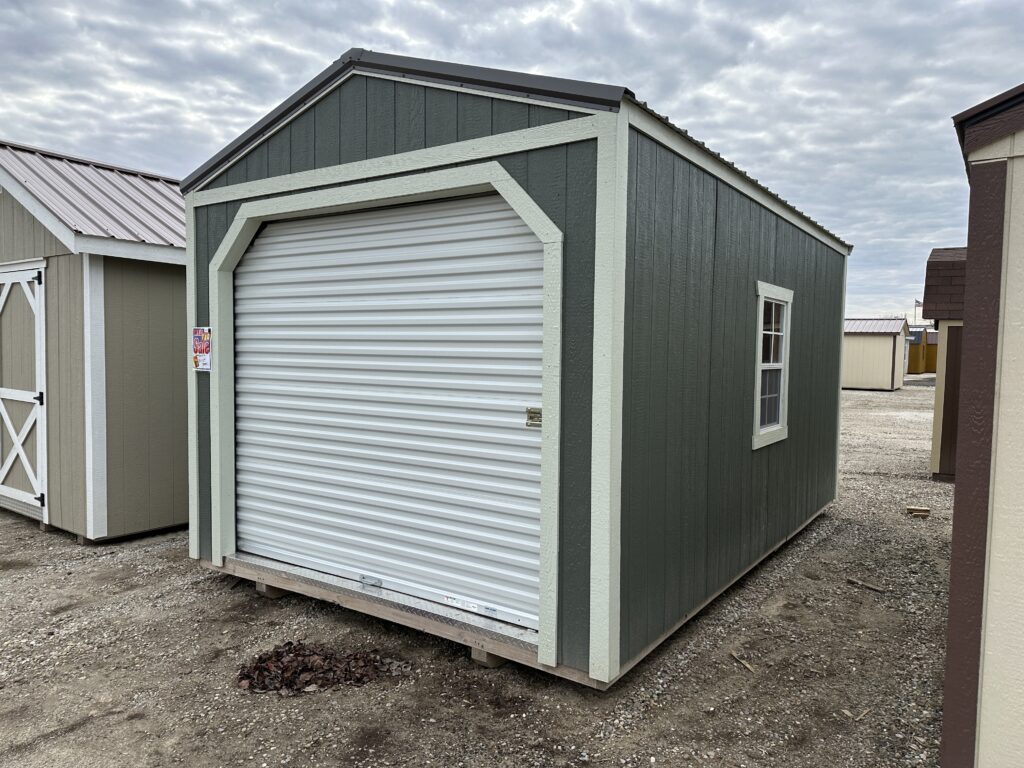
point(384, 364)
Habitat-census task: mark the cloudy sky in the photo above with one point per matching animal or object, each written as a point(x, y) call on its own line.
point(841, 107)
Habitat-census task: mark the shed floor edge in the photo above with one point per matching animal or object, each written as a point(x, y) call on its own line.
point(458, 632)
point(627, 666)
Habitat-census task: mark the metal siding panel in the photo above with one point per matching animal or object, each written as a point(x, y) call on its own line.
point(380, 117)
point(384, 362)
point(303, 131)
point(327, 130)
point(509, 116)
point(716, 506)
point(257, 162)
point(474, 116)
point(353, 120)
point(410, 127)
point(577, 400)
point(543, 115)
point(441, 115)
point(146, 488)
point(65, 381)
point(279, 153)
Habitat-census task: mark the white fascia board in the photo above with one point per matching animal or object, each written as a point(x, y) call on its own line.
point(470, 151)
point(39, 212)
point(95, 397)
point(123, 249)
point(647, 124)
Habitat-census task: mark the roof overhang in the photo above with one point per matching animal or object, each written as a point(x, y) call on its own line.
point(76, 242)
point(557, 90)
point(974, 126)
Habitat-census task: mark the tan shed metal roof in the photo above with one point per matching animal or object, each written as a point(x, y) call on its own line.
point(890, 326)
point(97, 199)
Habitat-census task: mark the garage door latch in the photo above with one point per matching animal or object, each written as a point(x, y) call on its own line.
point(533, 417)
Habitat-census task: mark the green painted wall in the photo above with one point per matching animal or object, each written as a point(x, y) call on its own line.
point(367, 117)
point(561, 179)
point(698, 504)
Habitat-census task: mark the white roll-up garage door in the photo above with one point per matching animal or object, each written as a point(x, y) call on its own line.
point(384, 362)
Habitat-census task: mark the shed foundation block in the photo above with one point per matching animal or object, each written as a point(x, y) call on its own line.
point(270, 592)
point(485, 659)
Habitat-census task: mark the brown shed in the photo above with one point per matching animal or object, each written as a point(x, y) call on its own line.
point(983, 707)
point(944, 303)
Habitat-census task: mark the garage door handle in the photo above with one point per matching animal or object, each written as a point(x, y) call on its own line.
point(533, 417)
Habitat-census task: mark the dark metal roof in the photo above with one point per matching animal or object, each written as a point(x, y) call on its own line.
point(889, 326)
point(986, 110)
point(572, 92)
point(98, 199)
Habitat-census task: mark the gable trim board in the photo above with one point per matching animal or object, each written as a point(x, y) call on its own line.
point(221, 216)
point(95, 379)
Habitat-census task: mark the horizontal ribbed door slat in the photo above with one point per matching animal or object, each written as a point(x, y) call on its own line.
point(384, 362)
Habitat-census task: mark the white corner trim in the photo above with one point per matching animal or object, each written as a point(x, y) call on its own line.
point(123, 249)
point(473, 150)
point(644, 122)
point(39, 212)
point(606, 430)
point(95, 397)
point(768, 435)
point(192, 387)
point(483, 177)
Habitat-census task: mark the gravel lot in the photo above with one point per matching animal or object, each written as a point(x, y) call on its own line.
point(127, 653)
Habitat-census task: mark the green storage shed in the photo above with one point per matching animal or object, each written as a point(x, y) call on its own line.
point(504, 357)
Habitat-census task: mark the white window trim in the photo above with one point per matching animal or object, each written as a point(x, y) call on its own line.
point(776, 432)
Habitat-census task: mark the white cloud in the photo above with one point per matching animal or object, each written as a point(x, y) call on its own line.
point(842, 108)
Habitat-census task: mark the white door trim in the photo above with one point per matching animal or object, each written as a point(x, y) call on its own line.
point(453, 182)
point(95, 397)
point(28, 270)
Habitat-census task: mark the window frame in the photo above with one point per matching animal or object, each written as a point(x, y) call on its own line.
point(764, 436)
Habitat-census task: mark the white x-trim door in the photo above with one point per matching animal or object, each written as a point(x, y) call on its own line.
point(22, 385)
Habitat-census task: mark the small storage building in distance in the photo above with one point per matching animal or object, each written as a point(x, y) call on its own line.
point(873, 351)
point(92, 318)
point(944, 283)
point(505, 357)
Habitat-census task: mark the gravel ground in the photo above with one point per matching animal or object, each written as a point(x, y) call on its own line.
point(127, 653)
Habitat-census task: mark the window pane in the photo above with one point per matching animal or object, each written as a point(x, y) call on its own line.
point(777, 349)
point(771, 381)
point(766, 347)
point(773, 410)
point(777, 318)
point(764, 412)
point(766, 320)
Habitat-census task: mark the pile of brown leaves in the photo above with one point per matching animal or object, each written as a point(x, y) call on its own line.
point(294, 668)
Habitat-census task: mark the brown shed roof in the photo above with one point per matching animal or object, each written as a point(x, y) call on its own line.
point(944, 282)
point(990, 120)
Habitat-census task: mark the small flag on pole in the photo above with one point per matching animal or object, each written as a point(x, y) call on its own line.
point(918, 303)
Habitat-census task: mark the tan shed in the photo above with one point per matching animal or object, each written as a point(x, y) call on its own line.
point(873, 353)
point(92, 314)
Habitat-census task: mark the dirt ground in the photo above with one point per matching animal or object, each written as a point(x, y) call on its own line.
point(126, 654)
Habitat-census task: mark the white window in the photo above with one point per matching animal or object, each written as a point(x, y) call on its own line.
point(771, 384)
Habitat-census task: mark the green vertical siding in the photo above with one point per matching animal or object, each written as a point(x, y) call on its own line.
point(367, 117)
point(563, 182)
point(698, 504)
